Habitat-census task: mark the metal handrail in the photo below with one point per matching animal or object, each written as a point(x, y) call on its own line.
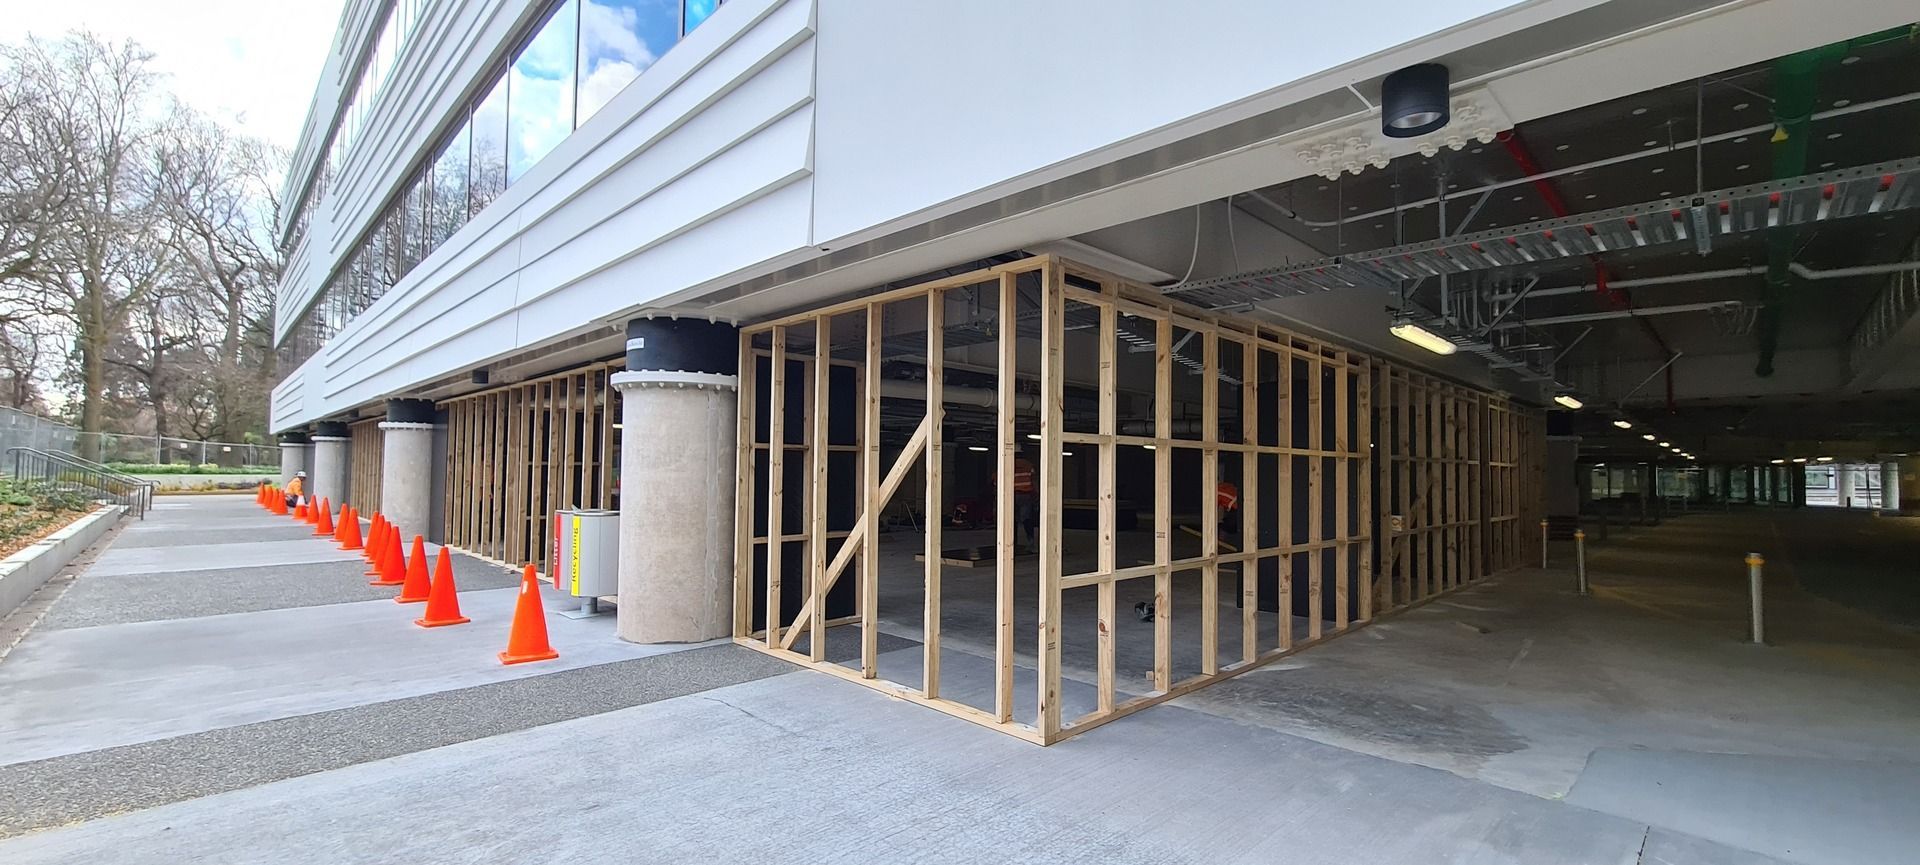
point(58, 470)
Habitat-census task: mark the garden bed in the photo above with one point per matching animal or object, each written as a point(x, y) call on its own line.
point(27, 514)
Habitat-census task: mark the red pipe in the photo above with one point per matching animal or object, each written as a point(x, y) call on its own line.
point(1617, 298)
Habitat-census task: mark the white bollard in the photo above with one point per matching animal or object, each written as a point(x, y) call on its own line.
point(1754, 562)
point(1580, 558)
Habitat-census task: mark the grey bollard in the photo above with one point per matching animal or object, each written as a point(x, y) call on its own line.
point(1580, 558)
point(1759, 629)
point(1543, 545)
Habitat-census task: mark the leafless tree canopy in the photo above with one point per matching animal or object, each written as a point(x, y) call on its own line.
point(136, 259)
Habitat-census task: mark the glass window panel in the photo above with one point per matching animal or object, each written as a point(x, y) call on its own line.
point(540, 95)
point(619, 39)
point(487, 176)
point(697, 11)
point(389, 46)
point(449, 188)
point(406, 231)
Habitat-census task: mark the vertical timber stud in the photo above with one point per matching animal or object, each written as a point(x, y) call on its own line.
point(1284, 495)
point(936, 436)
point(1108, 504)
point(1343, 469)
point(817, 490)
point(1363, 432)
point(776, 475)
point(1053, 333)
point(743, 455)
point(1007, 452)
point(1162, 505)
point(870, 500)
point(1210, 505)
point(1316, 511)
point(1250, 501)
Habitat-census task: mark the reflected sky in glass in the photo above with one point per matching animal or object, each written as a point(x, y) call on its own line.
point(619, 39)
point(540, 94)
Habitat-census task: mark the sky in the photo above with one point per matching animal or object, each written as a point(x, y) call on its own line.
point(251, 64)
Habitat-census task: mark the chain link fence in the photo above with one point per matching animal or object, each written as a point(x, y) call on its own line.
point(21, 429)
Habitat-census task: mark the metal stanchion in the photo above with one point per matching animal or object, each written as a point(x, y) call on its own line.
point(1543, 545)
point(1580, 558)
point(1754, 563)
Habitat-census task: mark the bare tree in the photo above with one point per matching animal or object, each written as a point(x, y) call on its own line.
point(104, 249)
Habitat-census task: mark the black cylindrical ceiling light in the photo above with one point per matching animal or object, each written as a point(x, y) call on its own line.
point(1413, 101)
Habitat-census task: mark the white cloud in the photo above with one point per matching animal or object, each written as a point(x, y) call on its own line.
point(250, 67)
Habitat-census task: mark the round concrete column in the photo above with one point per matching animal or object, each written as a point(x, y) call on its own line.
point(329, 473)
point(293, 457)
point(406, 466)
point(1907, 484)
point(678, 413)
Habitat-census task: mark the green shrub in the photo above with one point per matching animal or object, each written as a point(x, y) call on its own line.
point(192, 469)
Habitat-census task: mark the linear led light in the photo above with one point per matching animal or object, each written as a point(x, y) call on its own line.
point(1779, 462)
point(977, 448)
point(1568, 400)
point(1826, 459)
point(1033, 436)
point(1623, 423)
point(1799, 459)
point(1664, 444)
point(1647, 436)
point(1423, 338)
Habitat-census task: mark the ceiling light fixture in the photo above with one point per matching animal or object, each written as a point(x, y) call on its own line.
point(977, 448)
point(1779, 462)
point(1414, 101)
point(1623, 423)
point(1568, 400)
point(1799, 459)
point(1033, 436)
point(1423, 338)
point(1647, 436)
point(1666, 444)
point(1826, 459)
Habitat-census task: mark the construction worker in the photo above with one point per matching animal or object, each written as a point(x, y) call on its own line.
point(1026, 506)
point(1227, 496)
point(297, 489)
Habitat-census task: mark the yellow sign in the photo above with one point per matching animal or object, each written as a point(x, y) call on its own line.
point(574, 570)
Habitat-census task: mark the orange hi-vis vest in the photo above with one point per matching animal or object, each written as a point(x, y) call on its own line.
point(1022, 475)
point(1228, 496)
point(295, 488)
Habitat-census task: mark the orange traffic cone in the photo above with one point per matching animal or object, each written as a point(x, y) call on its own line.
point(346, 513)
point(349, 534)
point(418, 585)
point(393, 565)
point(376, 551)
point(275, 503)
point(373, 536)
point(443, 599)
point(300, 512)
point(528, 639)
point(323, 519)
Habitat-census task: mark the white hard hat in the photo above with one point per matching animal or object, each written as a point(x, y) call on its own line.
point(299, 474)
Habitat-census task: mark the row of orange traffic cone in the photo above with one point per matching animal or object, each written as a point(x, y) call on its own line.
point(390, 566)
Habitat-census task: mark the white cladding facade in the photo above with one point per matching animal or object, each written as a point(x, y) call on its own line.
point(784, 151)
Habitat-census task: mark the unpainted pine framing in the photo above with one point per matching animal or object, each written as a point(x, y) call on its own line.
point(877, 488)
point(1255, 344)
point(519, 452)
point(1409, 402)
point(366, 444)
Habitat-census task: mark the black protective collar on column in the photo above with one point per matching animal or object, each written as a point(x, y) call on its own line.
point(683, 345)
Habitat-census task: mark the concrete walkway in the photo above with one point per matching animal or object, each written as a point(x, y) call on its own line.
point(356, 737)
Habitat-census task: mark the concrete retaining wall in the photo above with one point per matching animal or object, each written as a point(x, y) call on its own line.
point(29, 569)
point(165, 482)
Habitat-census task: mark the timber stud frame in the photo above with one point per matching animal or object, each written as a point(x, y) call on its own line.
point(1318, 446)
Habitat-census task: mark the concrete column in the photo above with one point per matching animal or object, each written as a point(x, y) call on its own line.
point(678, 412)
point(1889, 486)
point(1907, 485)
point(406, 466)
point(293, 455)
point(329, 473)
point(1843, 485)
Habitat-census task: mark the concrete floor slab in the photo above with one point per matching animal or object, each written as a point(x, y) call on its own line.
point(1820, 812)
point(87, 688)
point(805, 767)
point(248, 554)
point(138, 536)
point(124, 598)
